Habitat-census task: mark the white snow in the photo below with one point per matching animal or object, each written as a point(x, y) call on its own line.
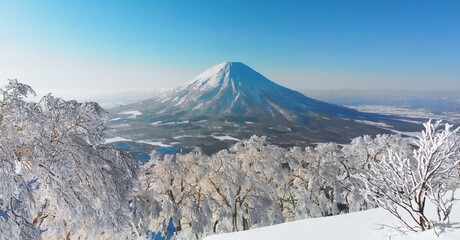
point(115, 119)
point(159, 144)
point(180, 102)
point(389, 110)
point(410, 134)
point(375, 224)
point(189, 136)
point(133, 113)
point(117, 139)
point(378, 124)
point(211, 76)
point(225, 137)
point(182, 136)
point(121, 125)
point(121, 139)
point(198, 106)
point(234, 102)
point(408, 112)
point(18, 167)
point(170, 123)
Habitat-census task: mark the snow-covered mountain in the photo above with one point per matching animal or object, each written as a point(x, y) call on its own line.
point(234, 89)
point(232, 101)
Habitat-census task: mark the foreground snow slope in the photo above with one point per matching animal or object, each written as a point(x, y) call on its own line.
point(372, 224)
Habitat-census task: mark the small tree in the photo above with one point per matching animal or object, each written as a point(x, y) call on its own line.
point(402, 183)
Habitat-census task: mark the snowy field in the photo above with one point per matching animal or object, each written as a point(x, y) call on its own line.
point(375, 224)
point(408, 112)
point(116, 139)
point(225, 137)
point(122, 139)
point(133, 114)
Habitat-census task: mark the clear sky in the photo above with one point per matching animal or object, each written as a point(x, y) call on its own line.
point(85, 47)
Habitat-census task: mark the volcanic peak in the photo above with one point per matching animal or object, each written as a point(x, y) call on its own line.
point(233, 73)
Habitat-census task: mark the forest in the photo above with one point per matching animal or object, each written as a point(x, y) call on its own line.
point(60, 181)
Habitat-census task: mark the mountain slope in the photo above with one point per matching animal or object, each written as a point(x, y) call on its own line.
point(233, 89)
point(232, 99)
point(374, 224)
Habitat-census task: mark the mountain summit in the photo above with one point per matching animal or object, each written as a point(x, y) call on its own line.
point(231, 101)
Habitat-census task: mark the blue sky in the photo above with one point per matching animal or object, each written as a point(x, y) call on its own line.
point(87, 47)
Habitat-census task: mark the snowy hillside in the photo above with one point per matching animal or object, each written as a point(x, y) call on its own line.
point(375, 224)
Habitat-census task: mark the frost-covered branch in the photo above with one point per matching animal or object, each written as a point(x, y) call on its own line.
point(401, 182)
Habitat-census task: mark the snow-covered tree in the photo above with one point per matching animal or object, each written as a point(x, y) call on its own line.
point(402, 183)
point(172, 192)
point(58, 180)
point(357, 157)
point(229, 191)
point(364, 150)
point(320, 182)
point(248, 183)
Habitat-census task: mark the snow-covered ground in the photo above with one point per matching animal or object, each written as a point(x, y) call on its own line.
point(378, 124)
point(133, 113)
point(226, 137)
point(122, 139)
point(375, 224)
point(116, 139)
point(157, 143)
point(408, 112)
